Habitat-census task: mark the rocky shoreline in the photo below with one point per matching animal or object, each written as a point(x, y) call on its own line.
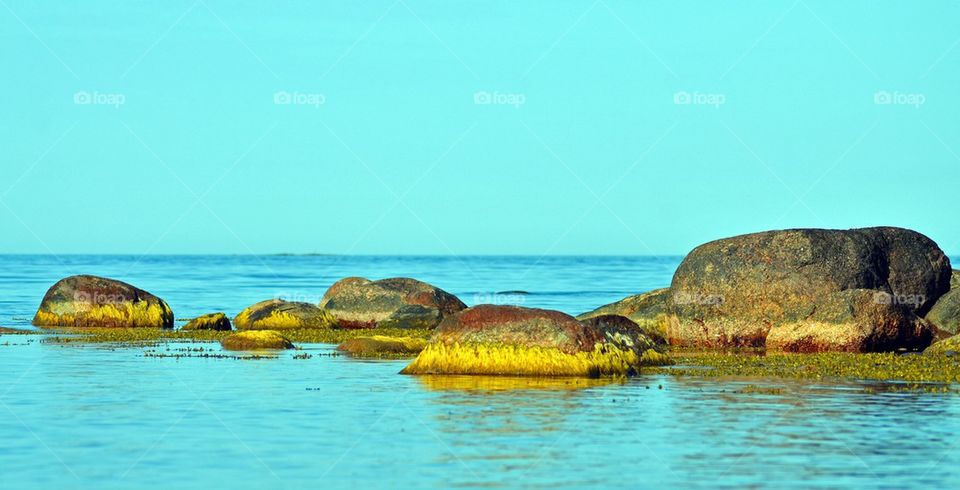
point(806, 291)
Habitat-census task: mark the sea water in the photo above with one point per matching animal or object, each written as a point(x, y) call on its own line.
point(111, 416)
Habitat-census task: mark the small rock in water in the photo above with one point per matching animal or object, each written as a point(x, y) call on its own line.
point(255, 340)
point(210, 321)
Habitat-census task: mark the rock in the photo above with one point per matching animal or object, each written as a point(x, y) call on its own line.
point(512, 340)
point(15, 331)
point(379, 346)
point(90, 301)
point(853, 321)
point(210, 321)
point(256, 339)
point(648, 310)
point(606, 322)
point(809, 290)
point(945, 313)
point(389, 303)
point(277, 314)
point(949, 347)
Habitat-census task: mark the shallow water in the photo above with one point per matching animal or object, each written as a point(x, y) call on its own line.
point(101, 416)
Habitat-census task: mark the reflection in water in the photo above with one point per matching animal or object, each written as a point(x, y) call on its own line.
point(487, 384)
point(95, 413)
point(523, 421)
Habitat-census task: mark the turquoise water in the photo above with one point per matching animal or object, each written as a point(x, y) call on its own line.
point(102, 416)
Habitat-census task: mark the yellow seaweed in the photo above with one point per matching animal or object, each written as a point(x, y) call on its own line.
point(256, 339)
point(133, 314)
point(281, 320)
point(499, 359)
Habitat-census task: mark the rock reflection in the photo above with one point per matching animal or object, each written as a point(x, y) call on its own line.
point(522, 422)
point(493, 384)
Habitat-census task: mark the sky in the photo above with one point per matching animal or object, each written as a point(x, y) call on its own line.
point(477, 127)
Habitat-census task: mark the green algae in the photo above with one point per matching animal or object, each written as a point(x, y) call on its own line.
point(916, 370)
point(138, 336)
point(817, 367)
point(760, 390)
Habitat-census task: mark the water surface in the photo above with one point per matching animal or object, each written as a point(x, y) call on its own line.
point(107, 416)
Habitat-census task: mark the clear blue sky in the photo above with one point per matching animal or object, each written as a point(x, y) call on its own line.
point(612, 127)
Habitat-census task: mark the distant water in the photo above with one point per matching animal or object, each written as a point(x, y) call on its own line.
point(101, 416)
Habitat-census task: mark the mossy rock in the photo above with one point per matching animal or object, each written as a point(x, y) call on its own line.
point(277, 314)
point(210, 321)
point(398, 302)
point(91, 301)
point(946, 346)
point(945, 314)
point(517, 341)
point(381, 346)
point(858, 290)
point(256, 340)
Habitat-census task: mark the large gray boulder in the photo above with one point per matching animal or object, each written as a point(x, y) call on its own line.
point(809, 290)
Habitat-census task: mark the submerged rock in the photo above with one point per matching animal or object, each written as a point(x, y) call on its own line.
point(388, 303)
point(945, 314)
point(210, 321)
point(379, 345)
point(256, 339)
point(277, 314)
point(512, 340)
point(809, 290)
point(648, 310)
point(91, 301)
